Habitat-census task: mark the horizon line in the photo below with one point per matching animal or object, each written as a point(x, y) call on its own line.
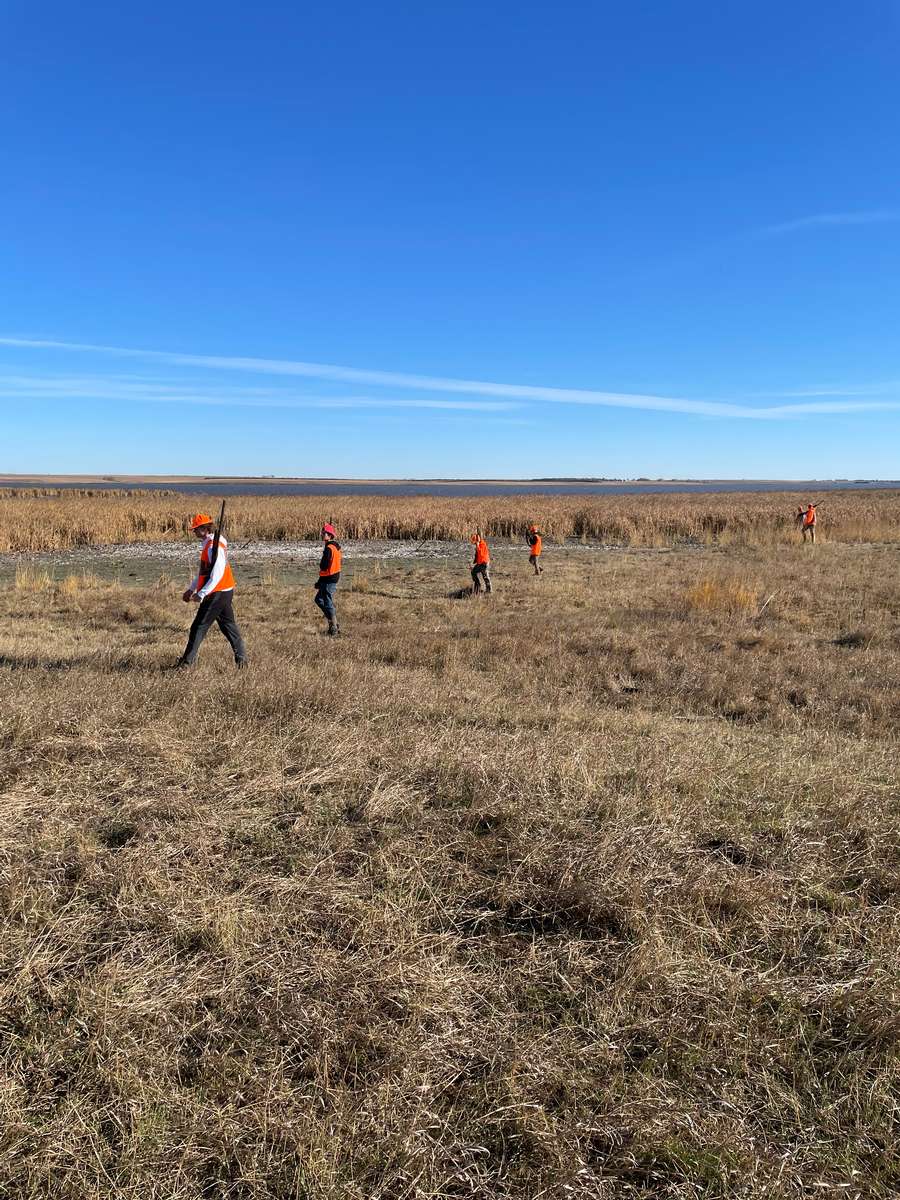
point(597, 480)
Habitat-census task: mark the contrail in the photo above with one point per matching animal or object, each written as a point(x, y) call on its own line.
point(880, 216)
point(43, 387)
point(430, 383)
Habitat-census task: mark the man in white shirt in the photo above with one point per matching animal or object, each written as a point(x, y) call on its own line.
point(213, 590)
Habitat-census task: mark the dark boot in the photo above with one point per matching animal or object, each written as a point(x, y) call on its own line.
point(333, 630)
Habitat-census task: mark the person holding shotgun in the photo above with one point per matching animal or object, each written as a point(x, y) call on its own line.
point(807, 522)
point(481, 565)
point(213, 590)
point(535, 546)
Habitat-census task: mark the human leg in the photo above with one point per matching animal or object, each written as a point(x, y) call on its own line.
point(206, 614)
point(229, 627)
point(325, 600)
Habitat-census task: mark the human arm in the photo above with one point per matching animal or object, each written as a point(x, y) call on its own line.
point(188, 594)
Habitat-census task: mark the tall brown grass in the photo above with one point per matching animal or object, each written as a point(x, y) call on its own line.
point(54, 520)
point(715, 594)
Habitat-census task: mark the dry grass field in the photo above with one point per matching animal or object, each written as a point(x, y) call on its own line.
point(34, 521)
point(585, 889)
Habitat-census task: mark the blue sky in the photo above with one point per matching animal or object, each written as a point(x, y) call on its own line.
point(451, 239)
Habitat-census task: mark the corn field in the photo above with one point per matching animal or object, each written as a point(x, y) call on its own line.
point(41, 520)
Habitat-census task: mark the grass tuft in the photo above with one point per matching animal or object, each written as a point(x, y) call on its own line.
point(33, 579)
point(716, 594)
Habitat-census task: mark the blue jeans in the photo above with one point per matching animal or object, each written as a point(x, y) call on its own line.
point(324, 598)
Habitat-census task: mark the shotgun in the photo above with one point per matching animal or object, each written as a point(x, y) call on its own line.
point(214, 549)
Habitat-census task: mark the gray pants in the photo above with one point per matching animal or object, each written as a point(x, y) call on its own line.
point(215, 609)
point(481, 576)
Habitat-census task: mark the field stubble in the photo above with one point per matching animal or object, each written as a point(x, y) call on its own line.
point(589, 888)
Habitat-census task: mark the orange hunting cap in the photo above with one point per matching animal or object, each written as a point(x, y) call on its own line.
point(532, 528)
point(201, 519)
point(329, 529)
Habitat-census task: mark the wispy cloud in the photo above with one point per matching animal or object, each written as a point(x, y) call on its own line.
point(824, 407)
point(849, 391)
point(878, 216)
point(503, 395)
point(44, 387)
point(389, 379)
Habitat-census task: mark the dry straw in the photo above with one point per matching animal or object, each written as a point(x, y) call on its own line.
point(62, 519)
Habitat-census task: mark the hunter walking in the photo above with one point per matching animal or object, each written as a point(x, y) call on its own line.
point(213, 590)
point(481, 564)
point(535, 546)
point(807, 521)
point(329, 574)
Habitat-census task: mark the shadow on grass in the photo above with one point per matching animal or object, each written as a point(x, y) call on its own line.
point(384, 595)
point(33, 662)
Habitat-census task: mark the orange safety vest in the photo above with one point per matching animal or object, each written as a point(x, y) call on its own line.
point(809, 517)
point(226, 583)
point(482, 554)
point(536, 546)
point(333, 566)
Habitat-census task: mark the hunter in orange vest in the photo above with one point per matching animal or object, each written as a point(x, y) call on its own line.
point(213, 590)
point(329, 574)
point(481, 564)
point(535, 546)
point(807, 522)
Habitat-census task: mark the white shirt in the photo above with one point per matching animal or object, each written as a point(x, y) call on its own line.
point(218, 568)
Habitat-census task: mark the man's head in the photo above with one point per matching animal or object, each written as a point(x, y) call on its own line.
point(475, 539)
point(201, 525)
point(329, 533)
point(532, 529)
